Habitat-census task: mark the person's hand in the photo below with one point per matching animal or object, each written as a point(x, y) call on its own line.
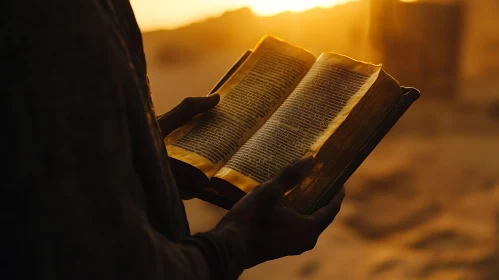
point(266, 229)
point(186, 110)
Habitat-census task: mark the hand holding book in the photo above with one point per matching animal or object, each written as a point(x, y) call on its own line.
point(265, 229)
point(182, 113)
point(248, 224)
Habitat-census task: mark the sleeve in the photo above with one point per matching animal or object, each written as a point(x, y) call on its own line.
point(75, 199)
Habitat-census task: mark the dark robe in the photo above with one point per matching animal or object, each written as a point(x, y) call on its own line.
point(88, 192)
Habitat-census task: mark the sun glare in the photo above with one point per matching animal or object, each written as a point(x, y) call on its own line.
point(156, 14)
point(270, 7)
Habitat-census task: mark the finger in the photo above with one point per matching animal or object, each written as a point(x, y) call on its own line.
point(290, 176)
point(186, 110)
point(325, 215)
point(192, 106)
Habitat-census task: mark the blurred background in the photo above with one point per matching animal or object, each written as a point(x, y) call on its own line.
point(425, 204)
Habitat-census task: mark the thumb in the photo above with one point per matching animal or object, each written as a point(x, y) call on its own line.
point(186, 110)
point(270, 193)
point(290, 176)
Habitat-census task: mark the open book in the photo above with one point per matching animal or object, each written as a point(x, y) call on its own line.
point(280, 103)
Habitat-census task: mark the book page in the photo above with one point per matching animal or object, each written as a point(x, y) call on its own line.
point(306, 119)
point(248, 99)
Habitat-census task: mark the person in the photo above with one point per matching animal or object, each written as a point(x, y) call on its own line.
point(89, 193)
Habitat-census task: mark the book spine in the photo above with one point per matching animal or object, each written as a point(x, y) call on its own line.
point(408, 97)
point(231, 71)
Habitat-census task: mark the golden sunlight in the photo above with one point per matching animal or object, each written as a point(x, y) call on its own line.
point(158, 14)
point(269, 7)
